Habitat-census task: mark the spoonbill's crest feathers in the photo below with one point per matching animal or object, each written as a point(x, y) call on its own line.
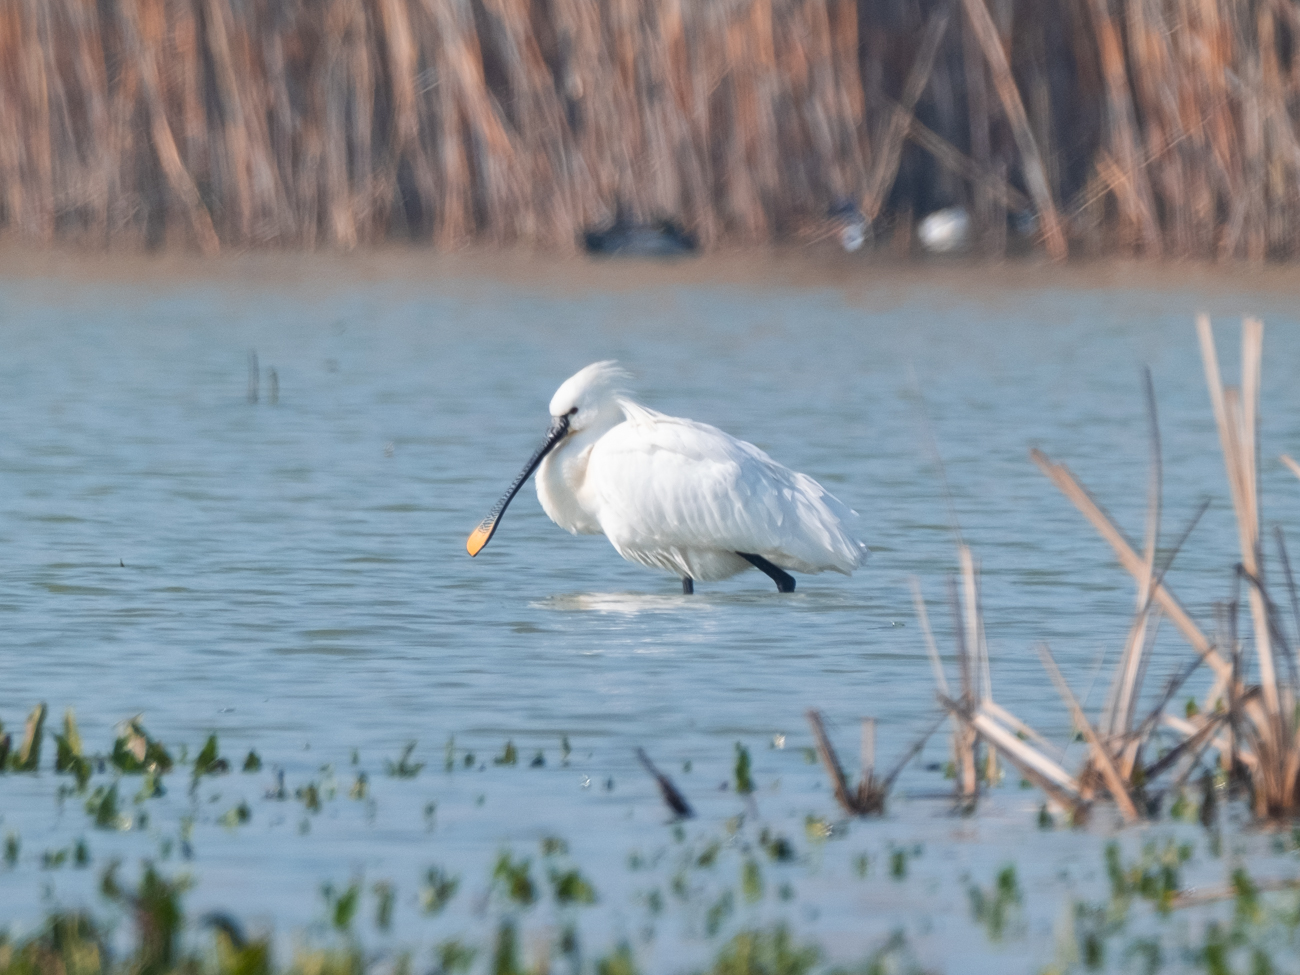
point(590, 387)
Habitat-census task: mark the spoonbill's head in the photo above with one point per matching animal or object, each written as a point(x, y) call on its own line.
point(583, 401)
point(587, 396)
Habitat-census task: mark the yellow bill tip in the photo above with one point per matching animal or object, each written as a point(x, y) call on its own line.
point(478, 538)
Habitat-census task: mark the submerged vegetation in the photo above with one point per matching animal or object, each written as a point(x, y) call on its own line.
point(1125, 126)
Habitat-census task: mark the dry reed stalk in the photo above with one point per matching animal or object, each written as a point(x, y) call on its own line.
point(872, 790)
point(1032, 164)
point(1099, 751)
point(886, 167)
point(245, 122)
point(1271, 730)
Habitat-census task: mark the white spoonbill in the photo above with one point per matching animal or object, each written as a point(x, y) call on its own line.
point(674, 494)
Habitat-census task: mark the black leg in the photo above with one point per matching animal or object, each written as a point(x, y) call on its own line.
point(784, 581)
point(688, 586)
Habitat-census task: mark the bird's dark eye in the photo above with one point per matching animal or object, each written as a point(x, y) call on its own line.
point(573, 411)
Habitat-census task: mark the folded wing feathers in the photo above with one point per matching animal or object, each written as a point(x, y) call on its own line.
point(682, 484)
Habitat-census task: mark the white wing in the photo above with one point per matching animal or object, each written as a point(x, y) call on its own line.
point(663, 484)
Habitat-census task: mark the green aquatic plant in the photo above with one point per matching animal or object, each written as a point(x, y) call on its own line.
point(744, 783)
point(438, 890)
point(151, 787)
point(341, 906)
point(12, 847)
point(68, 943)
point(894, 957)
point(776, 846)
point(751, 881)
point(135, 752)
point(155, 905)
point(515, 879)
point(505, 952)
point(236, 815)
point(360, 787)
point(509, 755)
point(68, 756)
point(102, 807)
point(769, 952)
point(620, 961)
point(1154, 877)
point(208, 761)
point(709, 855)
point(404, 768)
point(816, 828)
point(998, 910)
point(571, 887)
point(252, 762)
point(309, 794)
point(453, 957)
point(718, 912)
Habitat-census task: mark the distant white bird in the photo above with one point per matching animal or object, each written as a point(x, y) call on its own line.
point(674, 494)
point(945, 231)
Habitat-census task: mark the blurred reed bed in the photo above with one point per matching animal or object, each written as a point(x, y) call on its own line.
point(1155, 127)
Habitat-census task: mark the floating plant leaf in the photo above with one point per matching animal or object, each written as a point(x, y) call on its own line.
point(439, 888)
point(208, 761)
point(134, 752)
point(572, 888)
point(342, 908)
point(252, 763)
point(237, 815)
point(509, 756)
point(102, 807)
point(515, 878)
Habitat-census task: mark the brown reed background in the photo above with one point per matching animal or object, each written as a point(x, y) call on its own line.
point(1153, 127)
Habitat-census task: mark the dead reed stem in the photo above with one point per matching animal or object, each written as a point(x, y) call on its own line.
point(235, 123)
